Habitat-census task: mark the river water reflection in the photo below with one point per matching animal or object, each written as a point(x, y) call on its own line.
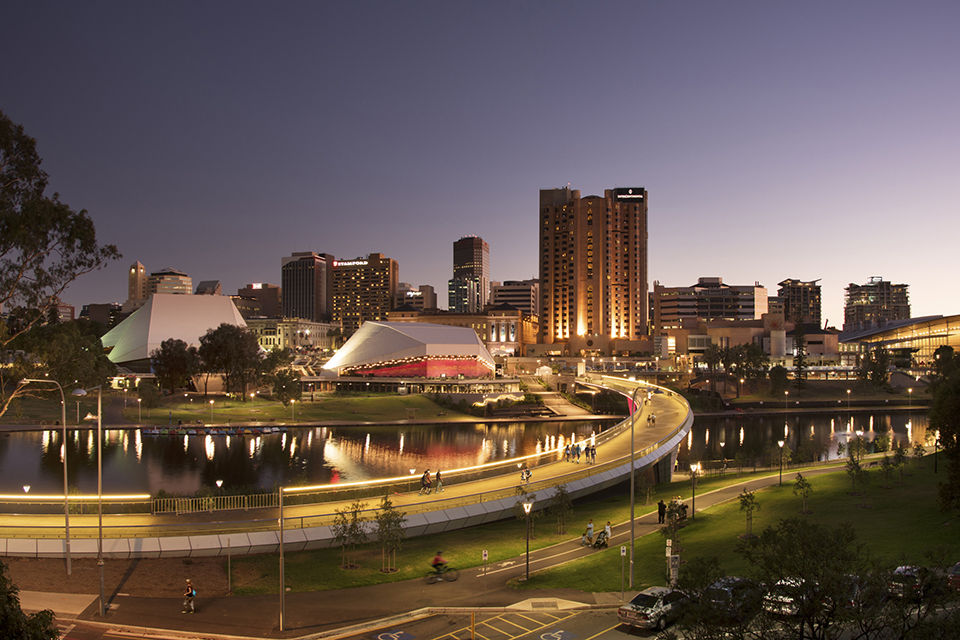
point(134, 462)
point(183, 465)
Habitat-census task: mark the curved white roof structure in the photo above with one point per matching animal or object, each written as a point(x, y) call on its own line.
point(384, 342)
point(165, 316)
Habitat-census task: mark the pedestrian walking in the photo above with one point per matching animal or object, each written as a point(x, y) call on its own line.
point(593, 453)
point(577, 448)
point(566, 453)
point(425, 483)
point(661, 512)
point(608, 530)
point(590, 531)
point(439, 481)
point(189, 593)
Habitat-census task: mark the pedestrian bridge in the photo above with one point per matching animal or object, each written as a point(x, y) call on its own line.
point(659, 422)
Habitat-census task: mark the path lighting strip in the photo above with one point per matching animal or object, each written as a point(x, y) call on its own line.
point(362, 483)
point(33, 497)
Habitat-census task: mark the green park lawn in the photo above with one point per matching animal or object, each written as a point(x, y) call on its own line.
point(897, 523)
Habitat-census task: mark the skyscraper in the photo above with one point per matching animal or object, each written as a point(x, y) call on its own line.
point(471, 263)
point(520, 294)
point(169, 280)
point(593, 267)
point(136, 286)
point(801, 301)
point(872, 305)
point(306, 280)
point(363, 289)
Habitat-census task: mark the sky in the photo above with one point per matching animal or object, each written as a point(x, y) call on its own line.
point(809, 140)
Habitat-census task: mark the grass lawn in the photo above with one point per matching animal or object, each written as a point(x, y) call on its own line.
point(361, 407)
point(898, 524)
point(46, 409)
point(898, 514)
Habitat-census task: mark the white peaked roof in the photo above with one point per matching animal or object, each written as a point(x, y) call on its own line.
point(384, 341)
point(165, 316)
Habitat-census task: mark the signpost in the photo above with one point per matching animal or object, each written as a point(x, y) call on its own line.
point(623, 557)
point(485, 557)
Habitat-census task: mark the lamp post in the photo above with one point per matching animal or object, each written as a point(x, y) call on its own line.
point(283, 599)
point(139, 410)
point(859, 433)
point(848, 399)
point(910, 397)
point(723, 458)
point(81, 393)
point(694, 468)
point(66, 497)
point(293, 409)
point(739, 387)
point(527, 506)
point(211, 412)
point(786, 395)
point(633, 422)
point(780, 444)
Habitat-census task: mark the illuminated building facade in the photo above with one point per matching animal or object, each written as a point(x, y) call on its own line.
point(265, 299)
point(915, 340)
point(295, 334)
point(520, 294)
point(875, 304)
point(169, 280)
point(593, 268)
point(504, 330)
point(422, 298)
point(801, 301)
point(469, 289)
point(136, 286)
point(709, 299)
point(306, 279)
point(363, 289)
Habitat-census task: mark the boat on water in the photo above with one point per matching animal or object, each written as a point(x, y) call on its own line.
point(202, 430)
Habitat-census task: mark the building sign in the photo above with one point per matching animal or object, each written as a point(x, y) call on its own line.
point(350, 263)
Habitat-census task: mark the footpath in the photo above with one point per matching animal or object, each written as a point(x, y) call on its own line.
point(331, 614)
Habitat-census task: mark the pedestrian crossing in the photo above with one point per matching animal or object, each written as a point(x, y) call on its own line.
point(507, 626)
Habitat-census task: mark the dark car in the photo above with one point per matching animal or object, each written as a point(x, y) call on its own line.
point(915, 583)
point(653, 608)
point(953, 576)
point(732, 599)
point(785, 597)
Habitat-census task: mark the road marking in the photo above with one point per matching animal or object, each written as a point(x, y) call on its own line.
point(531, 619)
point(519, 626)
point(395, 635)
point(603, 632)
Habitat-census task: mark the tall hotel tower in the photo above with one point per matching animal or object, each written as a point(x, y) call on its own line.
point(469, 289)
point(593, 268)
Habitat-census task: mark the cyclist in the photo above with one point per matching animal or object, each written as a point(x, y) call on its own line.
point(438, 563)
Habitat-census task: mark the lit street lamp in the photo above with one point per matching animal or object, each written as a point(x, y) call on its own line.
point(80, 393)
point(139, 410)
point(739, 387)
point(26, 488)
point(694, 468)
point(848, 399)
point(527, 506)
point(293, 409)
point(283, 600)
point(786, 395)
point(66, 497)
point(910, 397)
point(633, 481)
point(860, 446)
point(780, 444)
point(211, 412)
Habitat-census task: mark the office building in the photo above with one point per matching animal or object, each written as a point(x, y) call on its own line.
point(307, 286)
point(136, 287)
point(593, 269)
point(259, 299)
point(169, 280)
point(471, 263)
point(874, 304)
point(363, 289)
point(422, 298)
point(107, 314)
point(209, 288)
point(709, 299)
point(801, 301)
point(519, 294)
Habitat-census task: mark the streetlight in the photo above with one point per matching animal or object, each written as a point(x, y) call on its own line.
point(859, 433)
point(80, 393)
point(633, 422)
point(66, 497)
point(283, 599)
point(739, 386)
point(786, 395)
point(211, 412)
point(139, 410)
point(848, 399)
point(780, 444)
point(910, 397)
point(293, 409)
point(723, 457)
point(527, 506)
point(694, 468)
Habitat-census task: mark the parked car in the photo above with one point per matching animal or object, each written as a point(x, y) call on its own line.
point(953, 576)
point(732, 599)
point(785, 597)
point(915, 583)
point(653, 608)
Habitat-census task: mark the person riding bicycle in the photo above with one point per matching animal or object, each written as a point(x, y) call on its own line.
point(438, 562)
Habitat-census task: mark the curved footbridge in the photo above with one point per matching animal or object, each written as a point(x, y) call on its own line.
point(471, 496)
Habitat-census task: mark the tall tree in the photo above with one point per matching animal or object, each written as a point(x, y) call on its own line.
point(14, 623)
point(749, 504)
point(234, 352)
point(800, 356)
point(44, 244)
point(389, 534)
point(945, 416)
point(174, 363)
point(802, 488)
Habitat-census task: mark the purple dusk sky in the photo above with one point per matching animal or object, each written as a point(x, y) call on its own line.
point(777, 139)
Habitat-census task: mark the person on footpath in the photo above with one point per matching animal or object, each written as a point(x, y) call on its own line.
point(566, 453)
point(590, 531)
point(661, 512)
point(439, 481)
point(608, 530)
point(577, 447)
point(189, 593)
point(425, 483)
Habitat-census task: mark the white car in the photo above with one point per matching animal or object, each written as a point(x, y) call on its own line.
point(653, 608)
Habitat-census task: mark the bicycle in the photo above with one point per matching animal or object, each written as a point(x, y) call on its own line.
point(442, 574)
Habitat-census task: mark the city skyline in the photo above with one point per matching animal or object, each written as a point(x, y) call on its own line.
point(775, 141)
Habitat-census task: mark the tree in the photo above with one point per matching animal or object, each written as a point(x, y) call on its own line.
point(286, 385)
point(562, 507)
point(886, 469)
point(14, 623)
point(748, 504)
point(899, 459)
point(945, 414)
point(174, 363)
point(918, 452)
point(44, 244)
point(348, 531)
point(234, 352)
point(802, 488)
point(778, 380)
point(712, 357)
point(389, 533)
point(800, 356)
point(754, 361)
point(874, 365)
point(855, 470)
point(148, 394)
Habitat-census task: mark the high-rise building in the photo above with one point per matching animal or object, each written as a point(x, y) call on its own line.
point(471, 263)
point(169, 280)
point(107, 314)
point(873, 305)
point(519, 294)
point(709, 299)
point(593, 267)
point(136, 287)
point(801, 301)
point(209, 288)
point(307, 285)
point(422, 298)
point(363, 289)
point(265, 298)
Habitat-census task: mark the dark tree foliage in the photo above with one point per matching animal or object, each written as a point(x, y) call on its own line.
point(174, 363)
point(14, 623)
point(945, 416)
point(800, 356)
point(44, 244)
point(234, 352)
point(874, 366)
point(778, 380)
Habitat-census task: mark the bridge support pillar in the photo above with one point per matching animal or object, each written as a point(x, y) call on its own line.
point(663, 468)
